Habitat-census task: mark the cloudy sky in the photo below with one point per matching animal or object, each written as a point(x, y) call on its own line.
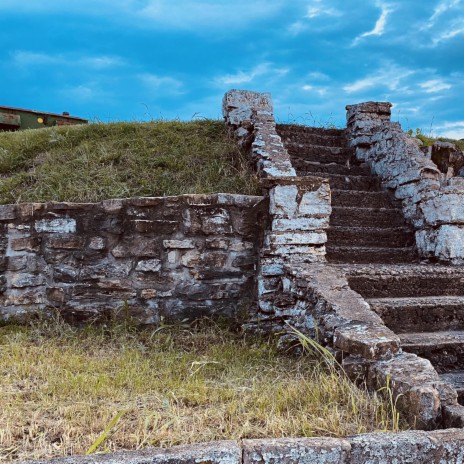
point(114, 60)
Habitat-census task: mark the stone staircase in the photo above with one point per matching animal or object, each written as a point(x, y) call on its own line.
point(368, 237)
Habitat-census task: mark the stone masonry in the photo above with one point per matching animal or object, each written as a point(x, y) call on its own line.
point(299, 208)
point(149, 258)
point(433, 199)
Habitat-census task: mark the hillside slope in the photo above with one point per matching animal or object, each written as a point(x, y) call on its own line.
point(93, 162)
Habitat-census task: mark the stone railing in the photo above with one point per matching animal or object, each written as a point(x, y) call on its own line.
point(432, 201)
point(299, 207)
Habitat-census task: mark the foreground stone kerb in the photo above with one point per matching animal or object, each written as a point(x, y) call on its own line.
point(441, 446)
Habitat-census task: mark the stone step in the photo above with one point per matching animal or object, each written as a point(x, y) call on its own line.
point(398, 237)
point(298, 129)
point(321, 154)
point(456, 379)
point(322, 138)
point(427, 313)
point(319, 169)
point(407, 281)
point(360, 254)
point(366, 217)
point(444, 349)
point(364, 199)
point(338, 182)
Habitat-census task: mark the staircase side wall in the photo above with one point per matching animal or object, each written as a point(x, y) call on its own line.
point(432, 203)
point(299, 208)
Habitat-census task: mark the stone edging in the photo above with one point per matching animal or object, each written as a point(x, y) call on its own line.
point(440, 446)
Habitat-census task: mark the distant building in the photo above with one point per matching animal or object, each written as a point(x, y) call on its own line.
point(13, 119)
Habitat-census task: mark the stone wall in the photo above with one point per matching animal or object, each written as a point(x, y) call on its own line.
point(433, 201)
point(149, 258)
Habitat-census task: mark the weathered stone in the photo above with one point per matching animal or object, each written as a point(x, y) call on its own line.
point(65, 241)
point(283, 201)
point(59, 225)
point(7, 212)
point(20, 280)
point(371, 341)
point(97, 243)
point(180, 244)
point(296, 450)
point(25, 244)
point(148, 265)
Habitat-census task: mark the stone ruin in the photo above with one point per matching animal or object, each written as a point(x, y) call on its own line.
point(357, 241)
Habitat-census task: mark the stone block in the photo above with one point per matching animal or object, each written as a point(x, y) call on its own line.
point(371, 341)
point(179, 244)
point(385, 448)
point(7, 212)
point(283, 201)
point(300, 224)
point(58, 225)
point(21, 280)
point(443, 208)
point(64, 241)
point(445, 243)
point(27, 244)
point(316, 204)
point(148, 265)
point(296, 450)
point(97, 243)
point(296, 238)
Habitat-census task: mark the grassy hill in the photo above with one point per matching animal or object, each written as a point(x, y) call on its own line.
point(93, 162)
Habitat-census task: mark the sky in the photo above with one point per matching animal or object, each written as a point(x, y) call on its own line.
point(136, 60)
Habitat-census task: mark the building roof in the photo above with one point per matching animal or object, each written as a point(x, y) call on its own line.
point(57, 115)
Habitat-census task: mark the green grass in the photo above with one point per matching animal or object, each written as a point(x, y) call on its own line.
point(429, 141)
point(89, 163)
point(104, 388)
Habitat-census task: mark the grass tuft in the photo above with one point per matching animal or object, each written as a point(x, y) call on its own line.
point(89, 163)
point(104, 388)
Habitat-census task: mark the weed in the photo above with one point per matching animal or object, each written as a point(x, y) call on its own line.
point(62, 386)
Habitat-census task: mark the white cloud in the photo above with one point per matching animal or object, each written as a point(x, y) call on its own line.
point(316, 10)
point(454, 29)
point(206, 15)
point(201, 15)
point(318, 76)
point(440, 9)
point(380, 24)
point(390, 77)
point(297, 27)
point(27, 59)
point(307, 87)
point(244, 77)
point(434, 85)
point(166, 84)
point(452, 130)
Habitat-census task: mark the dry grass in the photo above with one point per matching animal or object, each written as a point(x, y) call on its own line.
point(62, 386)
point(89, 163)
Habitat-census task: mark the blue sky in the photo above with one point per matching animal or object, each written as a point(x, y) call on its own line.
point(140, 59)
